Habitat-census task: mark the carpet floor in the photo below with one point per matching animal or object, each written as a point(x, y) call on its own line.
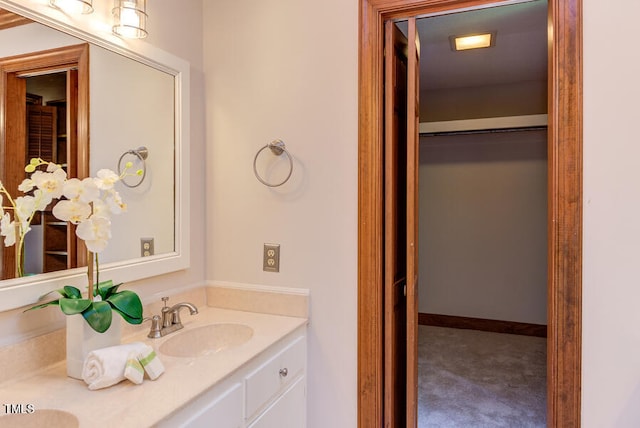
point(472, 379)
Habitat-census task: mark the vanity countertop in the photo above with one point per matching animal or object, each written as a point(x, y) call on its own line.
point(130, 405)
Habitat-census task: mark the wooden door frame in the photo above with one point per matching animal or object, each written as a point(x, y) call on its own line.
point(564, 306)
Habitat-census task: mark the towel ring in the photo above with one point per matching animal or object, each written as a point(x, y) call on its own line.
point(277, 147)
point(141, 153)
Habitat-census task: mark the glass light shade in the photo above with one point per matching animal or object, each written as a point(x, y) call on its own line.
point(130, 18)
point(73, 6)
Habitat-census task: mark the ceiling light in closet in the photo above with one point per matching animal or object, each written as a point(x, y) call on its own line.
point(475, 41)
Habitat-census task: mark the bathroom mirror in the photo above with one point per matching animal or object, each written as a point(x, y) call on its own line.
point(138, 97)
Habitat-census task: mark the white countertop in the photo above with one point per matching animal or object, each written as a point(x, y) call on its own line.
point(129, 405)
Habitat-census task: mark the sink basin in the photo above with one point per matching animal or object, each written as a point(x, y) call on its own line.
point(206, 340)
point(40, 418)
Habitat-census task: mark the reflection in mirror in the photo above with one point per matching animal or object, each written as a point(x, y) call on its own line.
point(131, 104)
point(44, 103)
point(46, 247)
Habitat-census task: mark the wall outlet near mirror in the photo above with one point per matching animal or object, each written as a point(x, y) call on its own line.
point(146, 247)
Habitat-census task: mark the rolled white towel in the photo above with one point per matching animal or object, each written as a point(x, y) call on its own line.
point(105, 367)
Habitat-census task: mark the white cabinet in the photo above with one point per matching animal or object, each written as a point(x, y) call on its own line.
point(268, 392)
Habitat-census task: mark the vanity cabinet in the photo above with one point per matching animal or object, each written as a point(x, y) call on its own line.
point(267, 392)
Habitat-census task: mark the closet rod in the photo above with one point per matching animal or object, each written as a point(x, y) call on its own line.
point(483, 131)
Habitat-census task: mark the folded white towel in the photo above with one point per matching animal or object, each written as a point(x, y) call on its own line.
point(105, 367)
point(151, 362)
point(133, 369)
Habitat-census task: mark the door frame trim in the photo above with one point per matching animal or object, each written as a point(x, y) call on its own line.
point(564, 285)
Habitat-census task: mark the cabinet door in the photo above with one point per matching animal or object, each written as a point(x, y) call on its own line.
point(224, 412)
point(288, 411)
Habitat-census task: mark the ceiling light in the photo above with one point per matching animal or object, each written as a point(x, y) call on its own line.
point(475, 41)
point(130, 18)
point(73, 6)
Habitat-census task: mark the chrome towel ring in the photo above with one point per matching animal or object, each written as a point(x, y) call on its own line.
point(277, 147)
point(141, 153)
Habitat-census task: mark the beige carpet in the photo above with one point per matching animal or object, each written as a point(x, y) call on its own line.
point(474, 379)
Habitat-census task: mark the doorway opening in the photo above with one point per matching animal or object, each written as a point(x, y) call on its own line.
point(482, 217)
point(564, 205)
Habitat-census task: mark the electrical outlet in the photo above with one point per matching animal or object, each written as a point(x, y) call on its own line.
point(271, 258)
point(146, 247)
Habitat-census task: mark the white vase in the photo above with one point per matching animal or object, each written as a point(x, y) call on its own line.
point(82, 339)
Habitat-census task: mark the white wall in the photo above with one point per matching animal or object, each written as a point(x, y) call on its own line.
point(132, 105)
point(611, 291)
point(507, 99)
point(288, 69)
point(33, 38)
point(483, 226)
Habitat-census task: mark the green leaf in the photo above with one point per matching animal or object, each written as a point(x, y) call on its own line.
point(127, 318)
point(74, 306)
point(107, 289)
point(43, 305)
point(99, 316)
point(70, 292)
point(128, 303)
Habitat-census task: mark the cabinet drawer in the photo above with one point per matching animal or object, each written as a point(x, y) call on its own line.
point(270, 378)
point(288, 411)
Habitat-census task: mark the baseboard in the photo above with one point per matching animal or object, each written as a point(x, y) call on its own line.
point(494, 326)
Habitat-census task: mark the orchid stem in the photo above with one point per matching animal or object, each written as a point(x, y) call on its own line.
point(97, 273)
point(90, 274)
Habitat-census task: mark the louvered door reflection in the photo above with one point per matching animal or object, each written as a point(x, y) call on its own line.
point(42, 132)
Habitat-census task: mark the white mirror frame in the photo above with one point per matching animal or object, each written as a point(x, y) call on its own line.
point(96, 29)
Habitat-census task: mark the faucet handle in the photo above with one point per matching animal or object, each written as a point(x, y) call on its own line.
point(166, 313)
point(156, 331)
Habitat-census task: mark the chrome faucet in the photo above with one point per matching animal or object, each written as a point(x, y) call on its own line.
point(170, 320)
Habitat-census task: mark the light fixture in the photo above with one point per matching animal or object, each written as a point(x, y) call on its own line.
point(73, 6)
point(473, 41)
point(130, 18)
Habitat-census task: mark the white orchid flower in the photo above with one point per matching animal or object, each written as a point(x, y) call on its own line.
point(85, 190)
point(52, 167)
point(8, 230)
point(115, 203)
point(72, 210)
point(105, 179)
point(25, 207)
point(50, 182)
point(101, 209)
point(42, 200)
point(96, 232)
point(26, 185)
